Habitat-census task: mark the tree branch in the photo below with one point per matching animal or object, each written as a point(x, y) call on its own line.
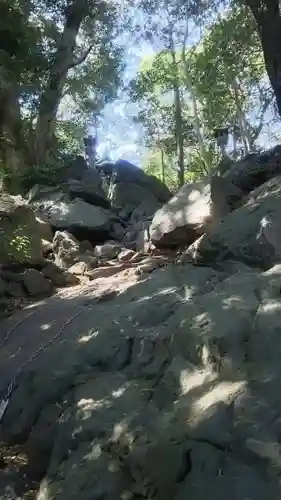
point(81, 59)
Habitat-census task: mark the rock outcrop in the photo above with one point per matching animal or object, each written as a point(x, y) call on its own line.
point(237, 236)
point(125, 172)
point(160, 377)
point(255, 169)
point(82, 206)
point(64, 213)
point(193, 210)
point(181, 370)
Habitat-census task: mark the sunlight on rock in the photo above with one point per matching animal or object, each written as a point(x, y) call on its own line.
point(118, 430)
point(165, 291)
point(225, 391)
point(232, 302)
point(92, 334)
point(33, 306)
point(16, 353)
point(119, 392)
point(121, 432)
point(95, 453)
point(87, 406)
point(113, 466)
point(270, 307)
point(76, 431)
point(194, 195)
point(203, 320)
point(85, 403)
point(43, 493)
point(127, 495)
point(46, 326)
point(190, 381)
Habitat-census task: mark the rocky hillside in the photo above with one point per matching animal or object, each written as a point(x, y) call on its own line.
point(157, 377)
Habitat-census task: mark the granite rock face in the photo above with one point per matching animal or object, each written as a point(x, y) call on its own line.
point(169, 389)
point(161, 376)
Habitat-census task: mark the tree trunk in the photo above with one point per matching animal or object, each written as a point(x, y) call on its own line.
point(12, 144)
point(63, 61)
point(178, 115)
point(179, 135)
point(240, 116)
point(162, 166)
point(197, 123)
point(268, 19)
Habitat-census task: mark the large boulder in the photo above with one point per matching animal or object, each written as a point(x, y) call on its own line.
point(88, 193)
point(89, 188)
point(255, 169)
point(125, 172)
point(193, 210)
point(40, 193)
point(78, 214)
point(144, 212)
point(20, 240)
point(76, 168)
point(64, 213)
point(239, 235)
point(132, 196)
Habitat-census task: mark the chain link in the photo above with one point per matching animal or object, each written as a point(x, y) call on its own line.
point(15, 326)
point(7, 393)
point(41, 348)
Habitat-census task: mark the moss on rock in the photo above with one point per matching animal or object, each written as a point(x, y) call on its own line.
point(19, 236)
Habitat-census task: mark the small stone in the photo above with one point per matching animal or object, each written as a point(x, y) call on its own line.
point(126, 255)
point(145, 269)
point(78, 268)
point(109, 250)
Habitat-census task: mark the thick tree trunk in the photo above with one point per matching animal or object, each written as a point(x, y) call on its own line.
point(64, 59)
point(268, 19)
point(12, 145)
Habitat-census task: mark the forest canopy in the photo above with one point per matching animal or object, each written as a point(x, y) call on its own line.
point(207, 65)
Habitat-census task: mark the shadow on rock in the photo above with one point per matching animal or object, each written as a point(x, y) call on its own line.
point(166, 390)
